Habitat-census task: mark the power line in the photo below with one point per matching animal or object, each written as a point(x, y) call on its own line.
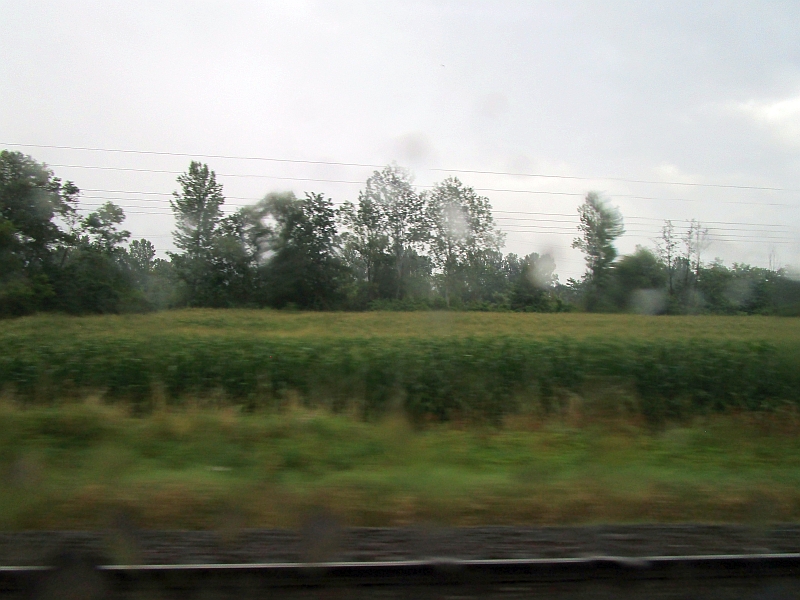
point(649, 237)
point(138, 170)
point(530, 228)
point(784, 230)
point(570, 218)
point(764, 235)
point(512, 232)
point(441, 170)
point(520, 212)
point(477, 189)
point(516, 212)
point(632, 232)
point(317, 180)
point(622, 179)
point(184, 154)
point(560, 230)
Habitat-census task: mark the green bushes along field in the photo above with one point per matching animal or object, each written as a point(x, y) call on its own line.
point(481, 366)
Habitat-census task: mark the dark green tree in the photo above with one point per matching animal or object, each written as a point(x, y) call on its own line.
point(385, 231)
point(99, 229)
point(485, 281)
point(239, 250)
point(95, 275)
point(365, 247)
point(305, 268)
point(36, 213)
point(197, 209)
point(600, 225)
point(533, 281)
point(462, 235)
point(153, 277)
point(142, 253)
point(640, 283)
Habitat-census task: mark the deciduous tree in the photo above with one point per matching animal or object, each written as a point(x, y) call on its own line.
point(600, 225)
point(305, 268)
point(197, 209)
point(386, 229)
point(36, 212)
point(462, 231)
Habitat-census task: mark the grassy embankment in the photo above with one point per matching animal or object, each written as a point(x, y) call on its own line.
point(229, 436)
point(82, 465)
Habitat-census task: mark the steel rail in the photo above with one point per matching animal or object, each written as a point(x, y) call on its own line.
point(446, 570)
point(427, 572)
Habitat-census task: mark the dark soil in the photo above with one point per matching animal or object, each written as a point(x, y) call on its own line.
point(323, 540)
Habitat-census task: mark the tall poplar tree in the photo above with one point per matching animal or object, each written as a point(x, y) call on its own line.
point(600, 225)
point(197, 209)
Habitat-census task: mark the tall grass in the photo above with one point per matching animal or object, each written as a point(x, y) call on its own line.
point(83, 465)
point(473, 366)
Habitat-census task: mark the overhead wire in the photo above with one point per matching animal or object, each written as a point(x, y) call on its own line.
point(369, 165)
point(548, 229)
point(517, 212)
point(777, 229)
point(505, 223)
point(348, 182)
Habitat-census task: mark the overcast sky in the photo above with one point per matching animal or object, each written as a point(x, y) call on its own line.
point(598, 92)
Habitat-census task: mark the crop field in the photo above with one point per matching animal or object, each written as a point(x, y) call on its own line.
point(435, 365)
point(226, 419)
point(422, 324)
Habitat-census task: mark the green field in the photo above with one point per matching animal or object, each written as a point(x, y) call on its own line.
point(422, 324)
point(436, 365)
point(219, 419)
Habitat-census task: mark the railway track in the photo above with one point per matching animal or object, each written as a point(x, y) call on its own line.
point(723, 577)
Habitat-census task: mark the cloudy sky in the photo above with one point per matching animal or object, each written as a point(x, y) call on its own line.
point(674, 110)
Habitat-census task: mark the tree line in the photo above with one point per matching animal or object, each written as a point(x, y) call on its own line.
point(394, 248)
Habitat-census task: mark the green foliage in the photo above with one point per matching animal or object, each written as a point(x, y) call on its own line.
point(305, 269)
point(141, 254)
point(80, 465)
point(462, 235)
point(600, 225)
point(31, 199)
point(746, 289)
point(80, 269)
point(197, 209)
point(98, 230)
point(92, 281)
point(384, 234)
point(533, 279)
point(398, 249)
point(638, 283)
point(443, 377)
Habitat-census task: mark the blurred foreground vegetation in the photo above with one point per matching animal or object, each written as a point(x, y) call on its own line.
point(89, 465)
